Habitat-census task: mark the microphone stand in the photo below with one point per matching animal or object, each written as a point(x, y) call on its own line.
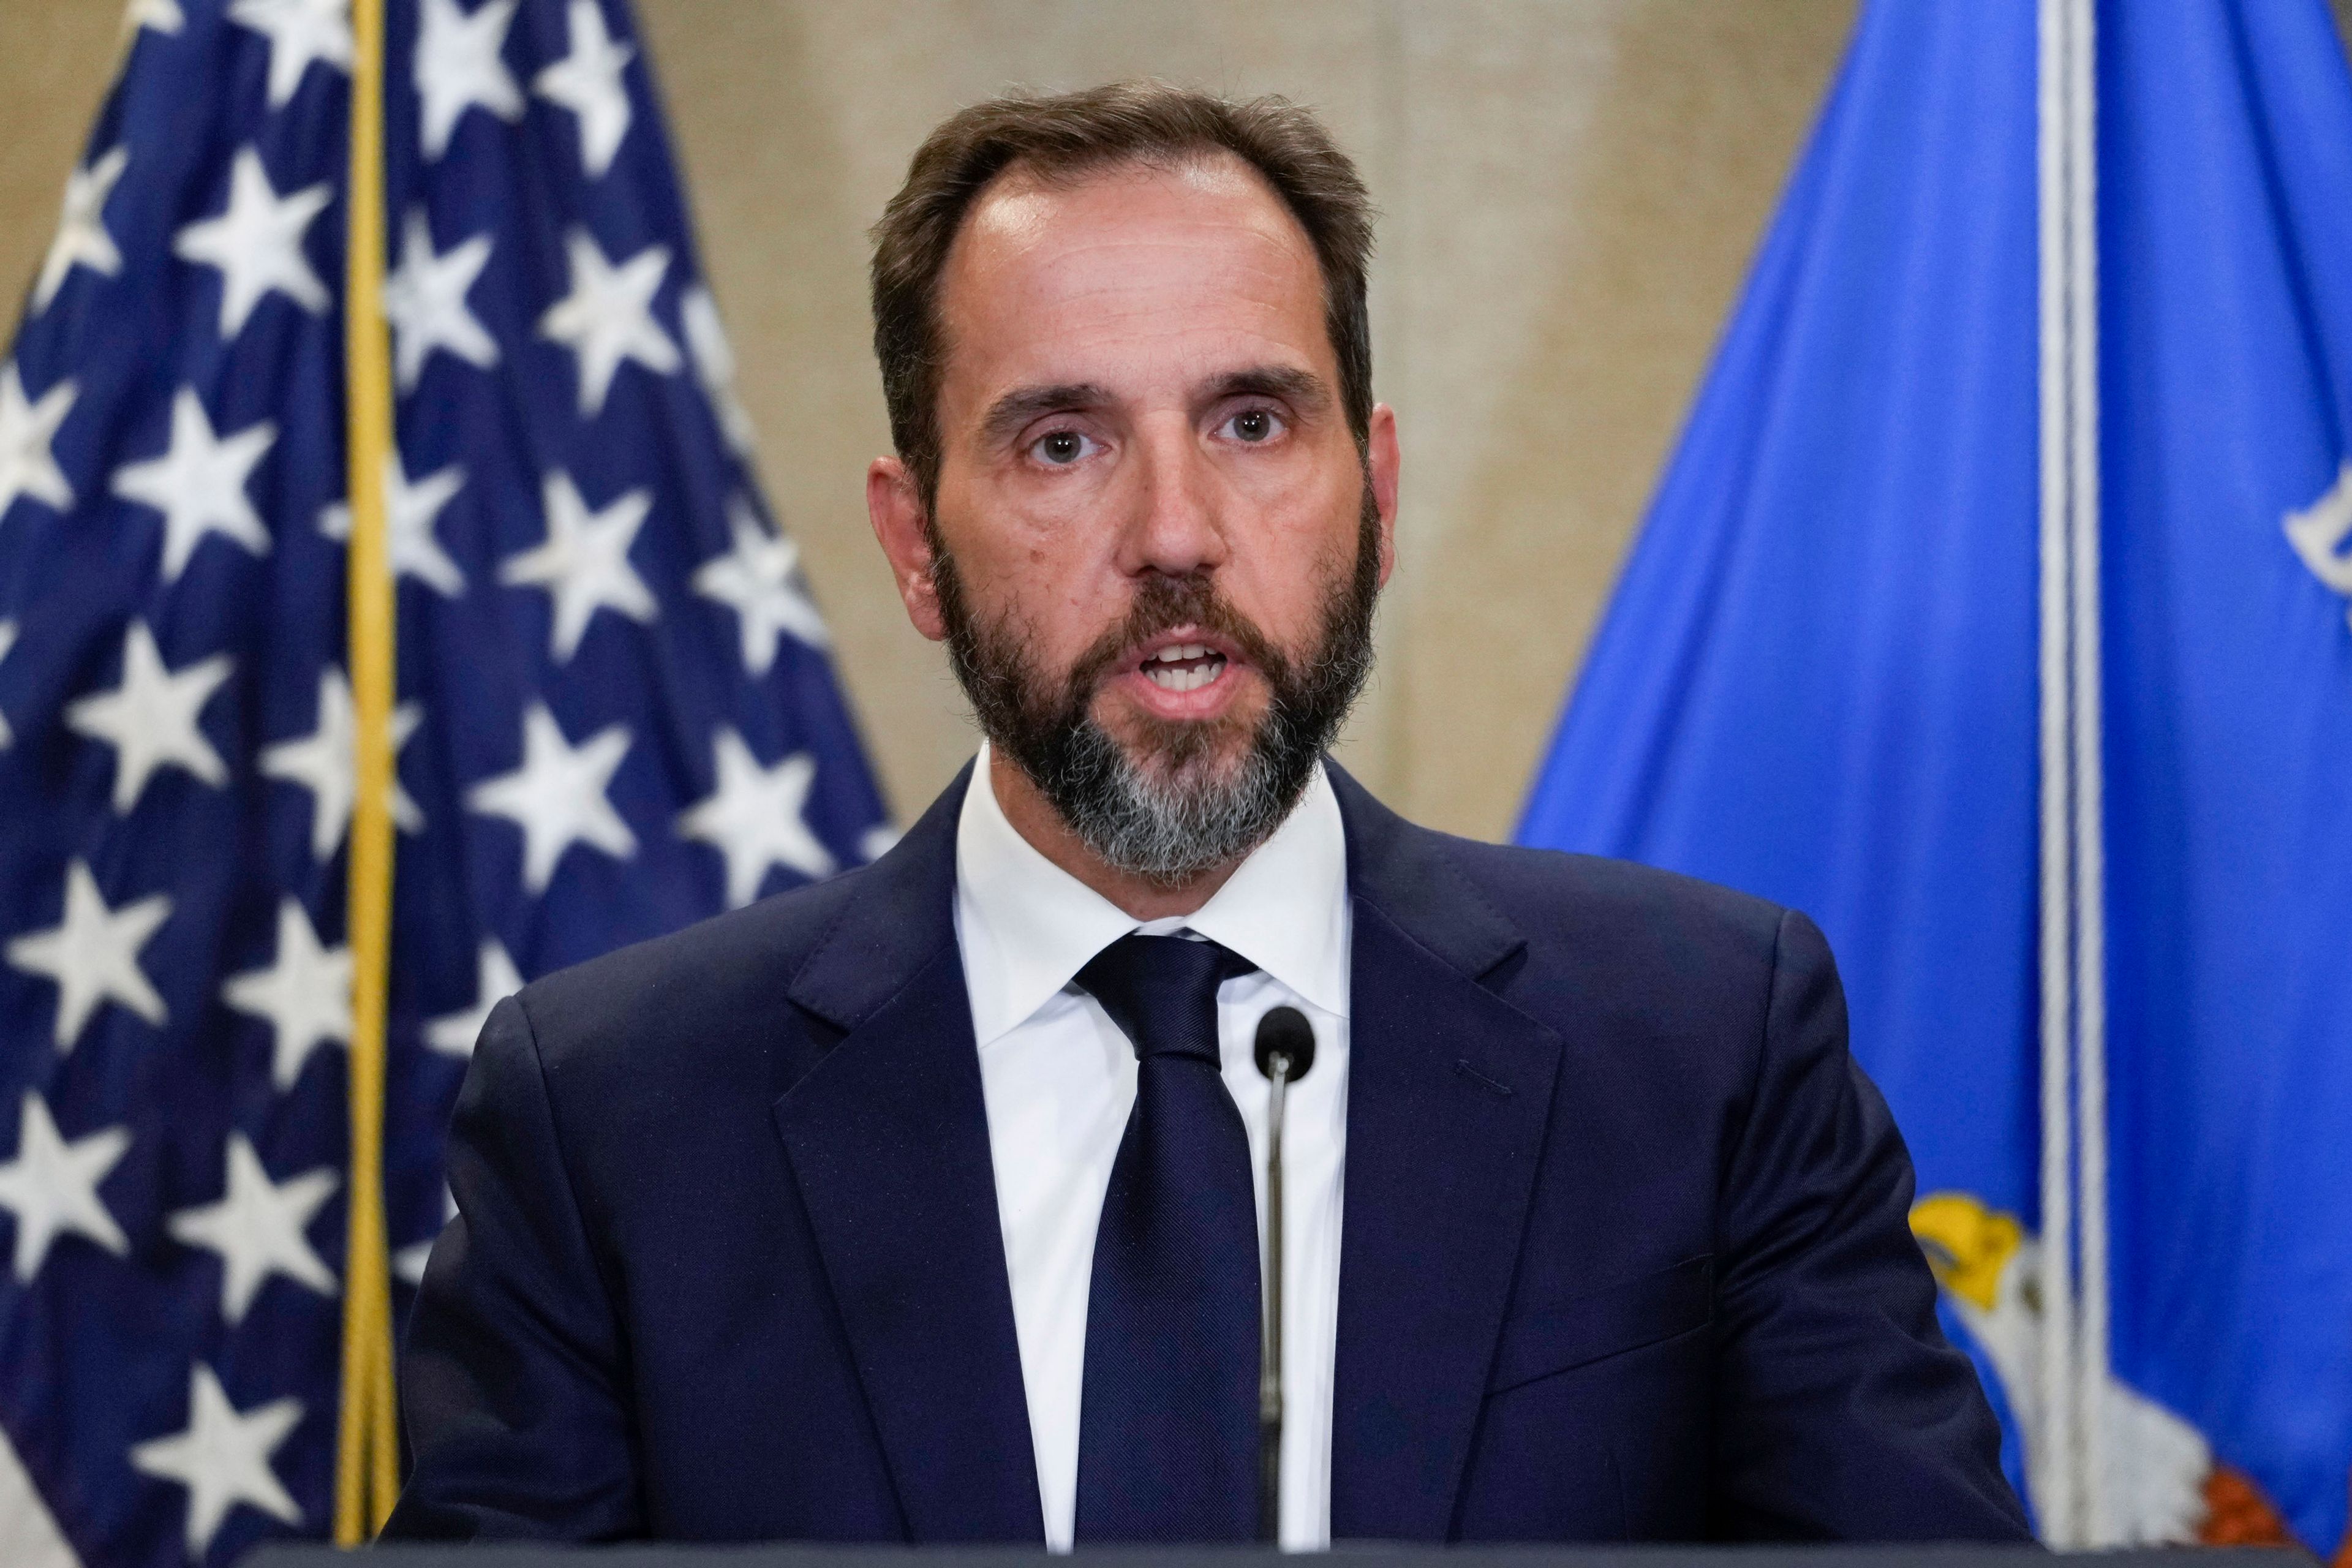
point(1284, 1050)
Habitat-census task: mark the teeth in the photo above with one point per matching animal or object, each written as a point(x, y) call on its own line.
point(1175, 674)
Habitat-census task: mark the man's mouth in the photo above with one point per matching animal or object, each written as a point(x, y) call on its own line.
point(1183, 667)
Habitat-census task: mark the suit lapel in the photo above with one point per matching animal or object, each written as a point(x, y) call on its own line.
point(1449, 1093)
point(887, 1138)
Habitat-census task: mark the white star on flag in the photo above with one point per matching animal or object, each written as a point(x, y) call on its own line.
point(714, 364)
point(760, 581)
point(495, 979)
point(257, 243)
point(51, 1186)
point(410, 512)
point(164, 15)
point(27, 467)
point(305, 995)
point(257, 1227)
point(425, 300)
point(298, 31)
point(755, 816)
point(7, 641)
point(321, 762)
point(92, 955)
point(198, 483)
point(221, 1457)
point(557, 796)
point(588, 82)
point(82, 237)
point(457, 66)
point(607, 318)
point(584, 563)
point(151, 717)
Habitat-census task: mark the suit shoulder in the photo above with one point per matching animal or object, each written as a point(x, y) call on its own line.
point(1665, 980)
point(1679, 969)
point(1591, 900)
point(729, 970)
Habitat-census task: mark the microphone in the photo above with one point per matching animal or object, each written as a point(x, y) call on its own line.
point(1284, 1050)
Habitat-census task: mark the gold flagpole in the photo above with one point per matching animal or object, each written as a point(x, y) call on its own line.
point(367, 1449)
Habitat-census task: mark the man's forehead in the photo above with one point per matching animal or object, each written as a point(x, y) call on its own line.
point(1022, 207)
point(1204, 247)
point(1030, 232)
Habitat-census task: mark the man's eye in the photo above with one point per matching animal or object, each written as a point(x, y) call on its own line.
point(1062, 447)
point(1255, 424)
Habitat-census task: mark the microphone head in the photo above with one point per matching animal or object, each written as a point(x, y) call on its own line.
point(1284, 1032)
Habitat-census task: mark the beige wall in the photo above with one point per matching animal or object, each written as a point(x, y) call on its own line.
point(1572, 190)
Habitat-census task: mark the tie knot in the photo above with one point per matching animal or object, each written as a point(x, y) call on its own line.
point(1161, 992)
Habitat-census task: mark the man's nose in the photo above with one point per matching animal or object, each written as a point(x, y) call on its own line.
point(1175, 528)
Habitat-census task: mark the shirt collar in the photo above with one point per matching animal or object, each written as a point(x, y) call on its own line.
point(1028, 927)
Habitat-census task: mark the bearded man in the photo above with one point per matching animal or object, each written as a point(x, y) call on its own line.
point(922, 1205)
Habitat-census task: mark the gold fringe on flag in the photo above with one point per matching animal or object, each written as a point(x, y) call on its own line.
point(367, 1454)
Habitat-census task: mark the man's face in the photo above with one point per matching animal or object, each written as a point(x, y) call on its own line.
point(1154, 542)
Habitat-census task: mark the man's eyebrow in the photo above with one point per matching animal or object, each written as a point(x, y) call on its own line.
point(1018, 408)
point(1302, 389)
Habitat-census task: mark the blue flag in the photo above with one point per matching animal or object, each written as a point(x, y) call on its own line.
point(616, 711)
point(2226, 205)
point(1820, 676)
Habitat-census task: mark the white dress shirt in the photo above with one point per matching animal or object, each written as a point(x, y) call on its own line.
point(1059, 1080)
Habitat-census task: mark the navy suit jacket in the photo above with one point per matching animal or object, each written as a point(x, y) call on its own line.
point(1625, 1255)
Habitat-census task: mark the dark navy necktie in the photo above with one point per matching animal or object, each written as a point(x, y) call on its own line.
point(1168, 1412)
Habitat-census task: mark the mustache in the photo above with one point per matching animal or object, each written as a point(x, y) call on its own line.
point(1164, 604)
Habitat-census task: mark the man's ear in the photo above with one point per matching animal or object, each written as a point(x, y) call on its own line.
point(895, 506)
point(1384, 459)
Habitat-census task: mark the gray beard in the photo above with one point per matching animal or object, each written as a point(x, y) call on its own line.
point(1169, 831)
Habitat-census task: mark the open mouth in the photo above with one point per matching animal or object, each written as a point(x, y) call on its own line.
point(1183, 667)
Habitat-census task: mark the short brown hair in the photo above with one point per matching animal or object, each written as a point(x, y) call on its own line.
point(1075, 134)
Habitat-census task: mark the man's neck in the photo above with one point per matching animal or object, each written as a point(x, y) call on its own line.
point(1033, 817)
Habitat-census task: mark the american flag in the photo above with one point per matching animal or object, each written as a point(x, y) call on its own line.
point(617, 710)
